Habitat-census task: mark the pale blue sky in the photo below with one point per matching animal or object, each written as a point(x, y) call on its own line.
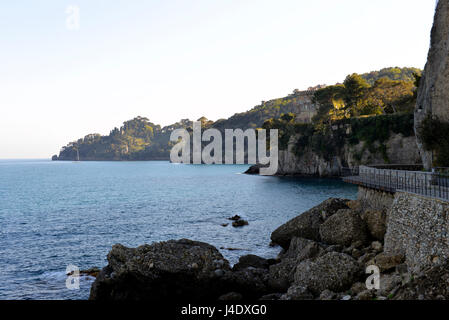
point(174, 59)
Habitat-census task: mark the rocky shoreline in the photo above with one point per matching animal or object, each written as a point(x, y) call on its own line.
point(324, 255)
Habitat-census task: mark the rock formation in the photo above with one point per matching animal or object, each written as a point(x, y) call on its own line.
point(315, 263)
point(433, 93)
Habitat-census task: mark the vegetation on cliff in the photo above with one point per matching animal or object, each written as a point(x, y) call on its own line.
point(356, 97)
point(392, 92)
point(328, 140)
point(434, 134)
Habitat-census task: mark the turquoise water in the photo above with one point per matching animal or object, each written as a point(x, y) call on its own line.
point(53, 214)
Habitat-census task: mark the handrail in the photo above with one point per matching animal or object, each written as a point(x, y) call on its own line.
point(430, 184)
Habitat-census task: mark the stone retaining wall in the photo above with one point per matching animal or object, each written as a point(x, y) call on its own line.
point(418, 227)
point(374, 199)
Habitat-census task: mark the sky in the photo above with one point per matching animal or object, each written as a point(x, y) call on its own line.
point(64, 75)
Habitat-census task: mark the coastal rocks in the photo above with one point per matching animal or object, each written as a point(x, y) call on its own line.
point(376, 223)
point(431, 284)
point(255, 169)
point(239, 223)
point(182, 269)
point(282, 273)
point(91, 272)
point(344, 228)
point(251, 282)
point(307, 225)
point(251, 260)
point(332, 271)
point(296, 292)
point(386, 262)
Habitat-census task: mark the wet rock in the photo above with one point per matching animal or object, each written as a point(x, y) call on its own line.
point(333, 271)
point(307, 225)
point(344, 228)
point(172, 270)
point(235, 218)
point(239, 223)
point(255, 169)
point(297, 293)
point(225, 224)
point(91, 272)
point(251, 260)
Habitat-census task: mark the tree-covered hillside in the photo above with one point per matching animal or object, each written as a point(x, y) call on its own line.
point(396, 73)
point(388, 91)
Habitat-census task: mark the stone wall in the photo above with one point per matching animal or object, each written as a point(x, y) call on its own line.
point(418, 227)
point(375, 200)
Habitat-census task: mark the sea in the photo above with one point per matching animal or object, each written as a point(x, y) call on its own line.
point(54, 214)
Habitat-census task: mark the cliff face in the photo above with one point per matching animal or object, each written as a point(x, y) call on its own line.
point(433, 94)
point(399, 150)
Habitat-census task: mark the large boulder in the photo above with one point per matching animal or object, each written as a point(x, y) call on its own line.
point(251, 282)
point(296, 292)
point(281, 275)
point(251, 260)
point(174, 270)
point(386, 262)
point(376, 222)
point(333, 271)
point(344, 228)
point(307, 225)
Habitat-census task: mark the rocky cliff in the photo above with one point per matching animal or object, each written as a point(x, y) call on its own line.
point(398, 150)
point(433, 94)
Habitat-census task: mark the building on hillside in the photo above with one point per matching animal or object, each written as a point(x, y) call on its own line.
point(307, 109)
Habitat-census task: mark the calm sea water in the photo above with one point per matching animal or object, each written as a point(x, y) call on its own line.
point(53, 214)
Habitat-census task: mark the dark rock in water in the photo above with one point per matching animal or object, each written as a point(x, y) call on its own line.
point(344, 228)
point(54, 158)
point(240, 223)
point(225, 224)
point(255, 169)
point(235, 218)
point(231, 296)
point(172, 270)
point(251, 260)
point(92, 272)
point(232, 249)
point(332, 271)
point(307, 225)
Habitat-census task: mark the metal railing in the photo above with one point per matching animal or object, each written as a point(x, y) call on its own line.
point(430, 184)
